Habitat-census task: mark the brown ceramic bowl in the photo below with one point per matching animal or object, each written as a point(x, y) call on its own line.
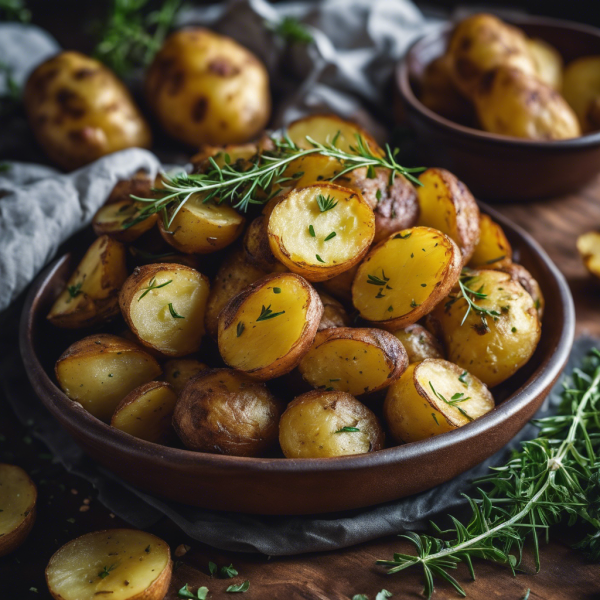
point(293, 486)
point(497, 167)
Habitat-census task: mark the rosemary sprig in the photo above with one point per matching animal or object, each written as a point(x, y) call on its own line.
point(267, 313)
point(454, 401)
point(290, 30)
point(553, 476)
point(14, 10)
point(152, 285)
point(325, 202)
point(471, 295)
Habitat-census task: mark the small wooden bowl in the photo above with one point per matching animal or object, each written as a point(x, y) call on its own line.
point(497, 167)
point(303, 486)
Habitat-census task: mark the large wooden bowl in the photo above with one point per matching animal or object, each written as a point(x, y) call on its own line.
point(303, 486)
point(495, 166)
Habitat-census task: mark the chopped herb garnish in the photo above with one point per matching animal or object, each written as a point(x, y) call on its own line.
point(453, 402)
point(390, 308)
point(489, 262)
point(106, 570)
point(202, 593)
point(380, 281)
point(463, 378)
point(174, 313)
point(348, 430)
point(147, 549)
point(184, 592)
point(399, 236)
point(290, 30)
point(514, 330)
point(413, 304)
point(319, 258)
point(152, 286)
point(228, 572)
point(435, 419)
point(242, 587)
point(240, 328)
point(330, 236)
point(423, 285)
point(267, 313)
point(311, 230)
point(276, 290)
point(378, 195)
point(75, 290)
point(325, 203)
point(379, 294)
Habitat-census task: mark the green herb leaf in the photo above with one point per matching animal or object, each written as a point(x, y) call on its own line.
point(347, 430)
point(360, 597)
point(242, 587)
point(319, 258)
point(311, 230)
point(174, 313)
point(383, 594)
point(291, 30)
point(326, 203)
point(75, 290)
point(202, 592)
point(184, 592)
point(276, 290)
point(330, 236)
point(240, 328)
point(399, 236)
point(463, 378)
point(380, 281)
point(453, 402)
point(212, 568)
point(152, 285)
point(267, 313)
point(228, 572)
point(106, 571)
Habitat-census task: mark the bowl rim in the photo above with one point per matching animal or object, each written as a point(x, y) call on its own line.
point(541, 379)
point(402, 77)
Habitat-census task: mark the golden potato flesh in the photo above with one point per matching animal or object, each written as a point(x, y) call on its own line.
point(491, 346)
point(520, 274)
point(207, 89)
point(512, 103)
point(18, 496)
point(432, 397)
point(334, 313)
point(448, 206)
point(581, 89)
point(588, 245)
point(91, 294)
point(79, 111)
point(112, 219)
point(225, 412)
point(178, 371)
point(100, 370)
point(321, 424)
point(202, 227)
point(120, 564)
point(493, 247)
point(405, 276)
point(419, 343)
point(146, 412)
point(164, 304)
point(353, 360)
point(548, 62)
point(267, 328)
point(321, 230)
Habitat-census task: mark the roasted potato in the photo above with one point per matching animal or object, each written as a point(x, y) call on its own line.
point(222, 155)
point(207, 89)
point(581, 89)
point(405, 276)
point(481, 43)
point(112, 220)
point(548, 62)
point(91, 295)
point(267, 328)
point(321, 230)
point(493, 248)
point(178, 371)
point(492, 345)
point(340, 286)
point(122, 564)
point(18, 497)
point(432, 397)
point(512, 103)
point(528, 282)
point(353, 360)
point(419, 343)
point(139, 185)
point(226, 412)
point(588, 245)
point(257, 247)
point(146, 412)
point(100, 370)
point(79, 111)
point(447, 205)
point(201, 227)
point(334, 313)
point(164, 304)
point(321, 424)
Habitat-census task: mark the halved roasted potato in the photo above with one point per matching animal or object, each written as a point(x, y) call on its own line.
point(257, 248)
point(448, 206)
point(202, 227)
point(100, 370)
point(581, 89)
point(353, 360)
point(334, 313)
point(112, 219)
point(120, 564)
point(140, 184)
point(146, 412)
point(548, 62)
point(432, 397)
point(222, 155)
point(528, 282)
point(419, 343)
point(320, 424)
point(267, 328)
point(321, 230)
point(405, 276)
point(18, 496)
point(493, 344)
point(91, 295)
point(493, 248)
point(340, 286)
point(178, 371)
point(226, 412)
point(588, 245)
point(164, 305)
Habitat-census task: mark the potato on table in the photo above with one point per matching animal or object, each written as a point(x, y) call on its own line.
point(419, 343)
point(79, 111)
point(548, 62)
point(100, 370)
point(112, 220)
point(146, 412)
point(334, 313)
point(120, 564)
point(353, 360)
point(226, 412)
point(581, 89)
point(178, 371)
point(493, 248)
point(321, 424)
point(500, 332)
point(164, 305)
point(321, 230)
point(432, 397)
point(18, 496)
point(91, 295)
point(267, 328)
point(448, 206)
point(405, 276)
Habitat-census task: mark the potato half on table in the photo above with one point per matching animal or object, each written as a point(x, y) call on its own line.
point(267, 328)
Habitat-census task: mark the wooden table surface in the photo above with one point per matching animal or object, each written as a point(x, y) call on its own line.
point(67, 506)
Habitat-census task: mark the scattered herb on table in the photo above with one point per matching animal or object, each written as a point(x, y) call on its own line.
point(228, 572)
point(14, 10)
point(242, 587)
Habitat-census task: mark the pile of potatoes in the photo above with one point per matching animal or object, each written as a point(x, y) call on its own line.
point(332, 317)
point(493, 76)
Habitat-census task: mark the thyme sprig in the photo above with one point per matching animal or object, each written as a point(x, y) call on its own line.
point(553, 476)
point(465, 281)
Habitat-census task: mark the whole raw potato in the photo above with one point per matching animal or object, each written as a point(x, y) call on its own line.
point(206, 89)
point(79, 111)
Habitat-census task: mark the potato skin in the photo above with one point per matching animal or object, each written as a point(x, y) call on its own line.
point(257, 248)
point(79, 111)
point(581, 89)
point(419, 343)
point(548, 62)
point(493, 247)
point(226, 412)
point(110, 219)
point(207, 89)
point(309, 424)
point(520, 274)
point(334, 313)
